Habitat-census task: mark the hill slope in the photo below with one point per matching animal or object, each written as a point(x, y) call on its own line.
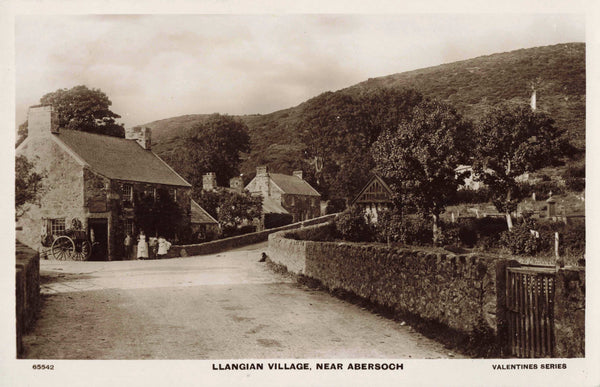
point(472, 86)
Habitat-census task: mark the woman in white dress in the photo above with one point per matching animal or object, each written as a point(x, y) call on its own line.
point(142, 247)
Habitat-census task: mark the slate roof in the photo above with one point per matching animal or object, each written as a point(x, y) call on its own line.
point(271, 206)
point(293, 185)
point(118, 158)
point(200, 215)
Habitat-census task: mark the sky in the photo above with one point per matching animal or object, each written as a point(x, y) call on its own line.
point(159, 66)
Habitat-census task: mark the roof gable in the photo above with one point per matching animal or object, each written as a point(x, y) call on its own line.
point(375, 191)
point(118, 158)
point(200, 216)
point(293, 185)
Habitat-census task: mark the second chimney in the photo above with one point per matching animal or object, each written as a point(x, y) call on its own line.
point(298, 174)
point(209, 181)
point(143, 136)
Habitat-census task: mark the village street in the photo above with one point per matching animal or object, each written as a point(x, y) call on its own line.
point(221, 306)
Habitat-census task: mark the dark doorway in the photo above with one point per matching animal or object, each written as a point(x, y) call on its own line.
point(98, 234)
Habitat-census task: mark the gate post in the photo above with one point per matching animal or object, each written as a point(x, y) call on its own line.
point(501, 309)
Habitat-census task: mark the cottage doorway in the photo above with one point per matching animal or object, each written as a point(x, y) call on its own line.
point(98, 233)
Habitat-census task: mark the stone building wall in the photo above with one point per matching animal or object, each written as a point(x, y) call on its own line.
point(302, 207)
point(62, 194)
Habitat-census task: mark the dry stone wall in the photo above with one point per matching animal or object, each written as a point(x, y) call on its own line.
point(463, 292)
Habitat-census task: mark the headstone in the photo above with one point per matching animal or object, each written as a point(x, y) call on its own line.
point(551, 207)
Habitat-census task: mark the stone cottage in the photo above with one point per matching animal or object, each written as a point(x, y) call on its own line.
point(93, 179)
point(285, 194)
point(375, 197)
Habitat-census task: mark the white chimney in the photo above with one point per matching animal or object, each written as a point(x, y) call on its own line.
point(42, 121)
point(143, 136)
point(533, 101)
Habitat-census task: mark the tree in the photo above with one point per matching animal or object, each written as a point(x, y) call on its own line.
point(28, 184)
point(231, 209)
point(418, 159)
point(339, 128)
point(80, 108)
point(211, 146)
point(512, 141)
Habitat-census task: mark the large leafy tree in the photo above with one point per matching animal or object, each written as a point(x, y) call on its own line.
point(81, 108)
point(419, 158)
point(214, 145)
point(231, 209)
point(28, 184)
point(338, 129)
point(512, 141)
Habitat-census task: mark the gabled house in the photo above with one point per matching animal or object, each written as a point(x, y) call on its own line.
point(375, 197)
point(203, 224)
point(285, 194)
point(93, 179)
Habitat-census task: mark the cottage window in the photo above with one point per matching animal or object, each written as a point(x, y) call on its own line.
point(173, 194)
point(128, 226)
point(150, 192)
point(57, 226)
point(127, 194)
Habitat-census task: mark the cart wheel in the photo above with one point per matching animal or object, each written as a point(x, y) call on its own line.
point(63, 248)
point(83, 250)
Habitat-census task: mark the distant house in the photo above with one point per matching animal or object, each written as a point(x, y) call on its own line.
point(93, 179)
point(375, 197)
point(285, 195)
point(469, 181)
point(203, 224)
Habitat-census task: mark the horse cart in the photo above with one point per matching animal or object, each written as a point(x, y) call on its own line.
point(74, 246)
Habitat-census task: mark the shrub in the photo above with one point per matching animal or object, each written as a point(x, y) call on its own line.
point(471, 196)
point(572, 237)
point(449, 234)
point(519, 240)
point(575, 184)
point(273, 220)
point(325, 233)
point(352, 225)
point(415, 230)
point(335, 205)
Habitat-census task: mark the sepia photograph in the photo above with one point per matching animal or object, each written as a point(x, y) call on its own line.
point(353, 194)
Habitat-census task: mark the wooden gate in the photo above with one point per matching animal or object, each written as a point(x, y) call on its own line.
point(530, 310)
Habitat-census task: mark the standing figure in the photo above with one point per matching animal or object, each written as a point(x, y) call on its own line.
point(153, 245)
point(163, 247)
point(128, 243)
point(142, 246)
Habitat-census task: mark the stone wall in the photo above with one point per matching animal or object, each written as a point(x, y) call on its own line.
point(27, 290)
point(463, 292)
point(241, 240)
point(62, 193)
point(457, 291)
point(569, 312)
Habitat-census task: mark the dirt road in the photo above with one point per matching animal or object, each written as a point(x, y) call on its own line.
point(223, 306)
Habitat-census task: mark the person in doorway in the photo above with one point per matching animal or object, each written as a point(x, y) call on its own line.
point(142, 247)
point(163, 247)
point(128, 243)
point(153, 247)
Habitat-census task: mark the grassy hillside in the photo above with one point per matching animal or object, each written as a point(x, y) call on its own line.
point(472, 86)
